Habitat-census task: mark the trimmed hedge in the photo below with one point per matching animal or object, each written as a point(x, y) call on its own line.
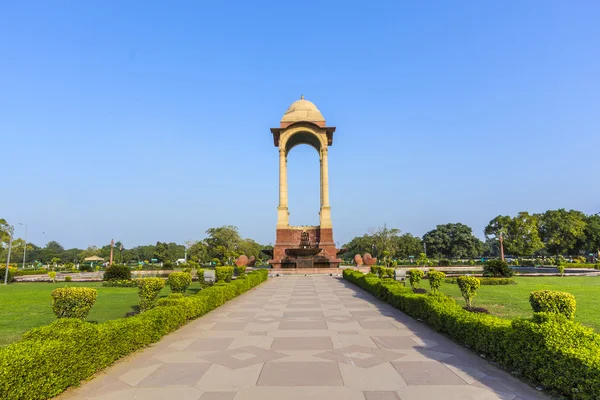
point(223, 274)
point(179, 281)
point(414, 277)
point(73, 302)
point(548, 350)
point(114, 283)
point(51, 358)
point(148, 290)
point(117, 272)
point(11, 274)
point(553, 302)
point(487, 281)
point(435, 279)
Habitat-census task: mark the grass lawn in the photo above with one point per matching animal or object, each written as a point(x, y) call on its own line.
point(512, 301)
point(24, 306)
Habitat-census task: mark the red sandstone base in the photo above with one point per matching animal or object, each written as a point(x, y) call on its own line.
point(289, 238)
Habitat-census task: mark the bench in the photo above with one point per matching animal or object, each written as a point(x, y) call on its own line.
point(400, 275)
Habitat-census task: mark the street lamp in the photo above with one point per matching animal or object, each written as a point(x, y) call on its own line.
point(24, 248)
point(11, 231)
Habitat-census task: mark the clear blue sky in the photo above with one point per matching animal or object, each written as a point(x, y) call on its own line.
point(145, 121)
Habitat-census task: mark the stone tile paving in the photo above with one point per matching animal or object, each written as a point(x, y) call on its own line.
point(304, 338)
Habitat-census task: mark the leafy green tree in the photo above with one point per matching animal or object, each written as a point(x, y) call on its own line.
point(491, 248)
point(358, 245)
point(408, 245)
point(498, 229)
point(385, 240)
point(175, 251)
point(561, 230)
point(198, 252)
point(161, 251)
point(250, 248)
point(592, 234)
point(52, 250)
point(523, 235)
point(453, 241)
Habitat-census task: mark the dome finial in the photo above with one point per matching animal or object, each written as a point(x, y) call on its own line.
point(301, 97)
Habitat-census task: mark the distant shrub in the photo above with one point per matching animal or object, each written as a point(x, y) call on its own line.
point(488, 281)
point(52, 276)
point(85, 268)
point(444, 262)
point(11, 274)
point(561, 270)
point(497, 269)
point(179, 281)
point(414, 277)
point(471, 262)
point(167, 264)
point(73, 302)
point(527, 263)
point(68, 279)
point(223, 274)
point(117, 272)
point(468, 287)
point(435, 280)
point(200, 274)
point(553, 302)
point(148, 290)
point(115, 283)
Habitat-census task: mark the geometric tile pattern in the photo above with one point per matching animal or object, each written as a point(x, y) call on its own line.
point(298, 338)
point(360, 356)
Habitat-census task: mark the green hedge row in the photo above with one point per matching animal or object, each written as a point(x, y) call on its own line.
point(484, 280)
point(548, 350)
point(51, 358)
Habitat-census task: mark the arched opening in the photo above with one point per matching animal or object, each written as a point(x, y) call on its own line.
point(304, 197)
point(303, 137)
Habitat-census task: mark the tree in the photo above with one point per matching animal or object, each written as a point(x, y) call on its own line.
point(408, 245)
point(223, 243)
point(175, 251)
point(592, 234)
point(384, 239)
point(523, 235)
point(561, 230)
point(452, 241)
point(161, 251)
point(358, 245)
point(198, 252)
point(52, 250)
point(498, 228)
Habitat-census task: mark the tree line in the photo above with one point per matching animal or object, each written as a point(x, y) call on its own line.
point(552, 233)
point(221, 246)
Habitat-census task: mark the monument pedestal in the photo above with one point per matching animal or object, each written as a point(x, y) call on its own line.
point(289, 238)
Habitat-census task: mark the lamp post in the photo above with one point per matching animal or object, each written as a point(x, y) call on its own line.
point(24, 248)
point(11, 231)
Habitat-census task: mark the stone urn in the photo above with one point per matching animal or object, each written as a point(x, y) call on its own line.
point(358, 260)
point(368, 260)
point(241, 261)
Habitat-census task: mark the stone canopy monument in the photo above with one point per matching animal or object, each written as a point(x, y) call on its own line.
point(304, 246)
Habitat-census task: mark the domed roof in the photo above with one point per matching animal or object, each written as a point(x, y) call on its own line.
point(302, 110)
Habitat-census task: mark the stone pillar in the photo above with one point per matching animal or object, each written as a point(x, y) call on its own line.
point(282, 210)
point(325, 207)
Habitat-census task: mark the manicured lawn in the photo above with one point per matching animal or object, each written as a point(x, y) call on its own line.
point(512, 301)
point(28, 305)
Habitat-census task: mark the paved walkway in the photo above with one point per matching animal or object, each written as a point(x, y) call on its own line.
point(304, 338)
